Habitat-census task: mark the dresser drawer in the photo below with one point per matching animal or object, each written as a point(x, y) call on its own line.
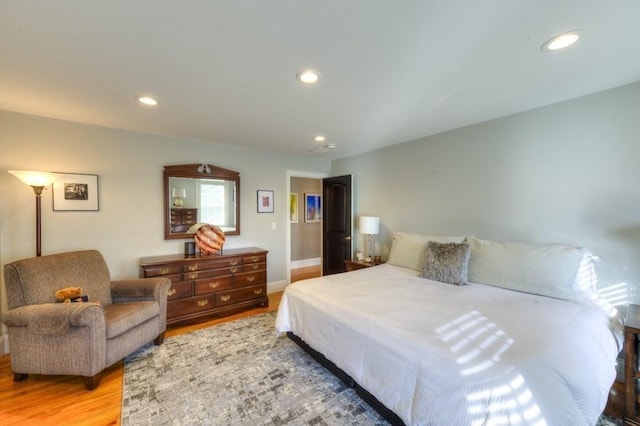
point(211, 273)
point(251, 278)
point(160, 271)
point(258, 258)
point(251, 267)
point(179, 290)
point(181, 307)
point(212, 284)
point(203, 265)
point(231, 297)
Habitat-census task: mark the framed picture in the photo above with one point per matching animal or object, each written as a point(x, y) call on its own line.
point(75, 192)
point(293, 207)
point(265, 201)
point(312, 208)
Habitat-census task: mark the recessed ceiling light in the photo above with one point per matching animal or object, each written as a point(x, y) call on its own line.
point(308, 76)
point(562, 40)
point(319, 138)
point(147, 100)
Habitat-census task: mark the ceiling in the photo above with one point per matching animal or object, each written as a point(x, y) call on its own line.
point(224, 71)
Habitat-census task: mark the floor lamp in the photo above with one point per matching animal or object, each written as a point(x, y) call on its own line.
point(37, 181)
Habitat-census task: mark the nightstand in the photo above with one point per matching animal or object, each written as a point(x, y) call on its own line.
point(631, 373)
point(352, 265)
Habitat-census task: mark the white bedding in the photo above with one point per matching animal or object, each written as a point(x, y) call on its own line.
point(439, 354)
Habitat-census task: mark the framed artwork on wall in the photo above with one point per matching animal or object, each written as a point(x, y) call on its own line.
point(312, 207)
point(265, 201)
point(293, 207)
point(75, 192)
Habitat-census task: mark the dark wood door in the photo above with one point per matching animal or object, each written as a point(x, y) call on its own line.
point(336, 223)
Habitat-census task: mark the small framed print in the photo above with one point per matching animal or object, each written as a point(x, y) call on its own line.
point(293, 207)
point(312, 207)
point(265, 201)
point(75, 192)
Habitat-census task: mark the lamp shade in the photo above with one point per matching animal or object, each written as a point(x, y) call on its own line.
point(369, 225)
point(179, 192)
point(33, 178)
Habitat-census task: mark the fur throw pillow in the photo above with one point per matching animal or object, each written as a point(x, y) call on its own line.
point(446, 262)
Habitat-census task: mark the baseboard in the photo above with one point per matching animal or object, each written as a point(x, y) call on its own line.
point(276, 286)
point(302, 263)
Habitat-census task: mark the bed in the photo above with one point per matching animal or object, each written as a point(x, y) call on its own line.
point(528, 342)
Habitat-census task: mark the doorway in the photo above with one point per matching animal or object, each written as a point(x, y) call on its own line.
point(304, 235)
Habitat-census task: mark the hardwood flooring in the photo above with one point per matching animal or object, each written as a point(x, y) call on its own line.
point(63, 400)
point(306, 272)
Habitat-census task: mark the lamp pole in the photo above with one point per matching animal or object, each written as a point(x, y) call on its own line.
point(37, 190)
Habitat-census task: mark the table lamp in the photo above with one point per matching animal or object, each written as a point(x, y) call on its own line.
point(370, 226)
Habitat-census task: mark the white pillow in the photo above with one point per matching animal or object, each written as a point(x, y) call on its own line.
point(408, 250)
point(545, 270)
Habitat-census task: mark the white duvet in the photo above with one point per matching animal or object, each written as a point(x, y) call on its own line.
point(439, 354)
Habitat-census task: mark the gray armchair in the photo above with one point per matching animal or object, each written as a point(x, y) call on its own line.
point(47, 337)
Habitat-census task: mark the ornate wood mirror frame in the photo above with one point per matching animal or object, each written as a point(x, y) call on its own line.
point(200, 193)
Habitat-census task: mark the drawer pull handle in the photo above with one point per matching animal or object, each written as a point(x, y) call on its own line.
point(171, 292)
point(258, 291)
point(192, 275)
point(233, 262)
point(253, 259)
point(214, 284)
point(255, 266)
point(251, 278)
point(164, 271)
point(193, 267)
point(201, 303)
point(234, 270)
point(225, 298)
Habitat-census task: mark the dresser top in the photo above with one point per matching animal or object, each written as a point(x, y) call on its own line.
point(181, 258)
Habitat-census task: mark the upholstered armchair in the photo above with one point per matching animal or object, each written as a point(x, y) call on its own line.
point(47, 337)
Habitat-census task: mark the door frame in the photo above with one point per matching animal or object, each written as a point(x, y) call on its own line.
point(297, 174)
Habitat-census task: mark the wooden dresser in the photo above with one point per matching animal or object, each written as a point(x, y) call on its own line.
point(210, 285)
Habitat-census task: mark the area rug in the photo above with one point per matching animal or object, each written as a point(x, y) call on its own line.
point(238, 373)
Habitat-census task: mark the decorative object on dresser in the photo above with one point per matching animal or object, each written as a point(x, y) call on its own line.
point(210, 285)
point(200, 193)
point(38, 181)
point(209, 238)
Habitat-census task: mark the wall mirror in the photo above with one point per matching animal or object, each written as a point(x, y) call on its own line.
point(200, 193)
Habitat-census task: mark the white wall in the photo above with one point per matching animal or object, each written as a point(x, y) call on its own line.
point(566, 173)
point(129, 224)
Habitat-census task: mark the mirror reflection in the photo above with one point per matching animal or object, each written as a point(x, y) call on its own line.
point(200, 193)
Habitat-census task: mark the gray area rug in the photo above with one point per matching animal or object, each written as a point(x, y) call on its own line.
point(238, 373)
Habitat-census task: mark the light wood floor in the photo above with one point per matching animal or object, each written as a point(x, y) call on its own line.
point(63, 400)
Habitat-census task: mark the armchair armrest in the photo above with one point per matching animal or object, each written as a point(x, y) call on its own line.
point(55, 318)
point(135, 290)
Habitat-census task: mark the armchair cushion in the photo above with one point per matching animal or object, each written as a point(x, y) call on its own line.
point(122, 317)
point(138, 289)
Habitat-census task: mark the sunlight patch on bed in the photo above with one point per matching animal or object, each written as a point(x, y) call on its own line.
point(479, 344)
point(618, 294)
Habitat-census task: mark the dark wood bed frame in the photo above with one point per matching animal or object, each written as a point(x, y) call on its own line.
point(366, 396)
